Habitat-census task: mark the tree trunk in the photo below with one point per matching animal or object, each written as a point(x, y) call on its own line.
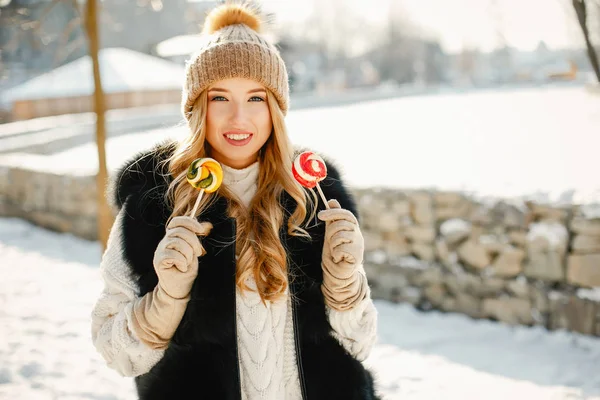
point(104, 218)
point(580, 9)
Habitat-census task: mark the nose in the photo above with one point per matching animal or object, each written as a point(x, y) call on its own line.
point(239, 113)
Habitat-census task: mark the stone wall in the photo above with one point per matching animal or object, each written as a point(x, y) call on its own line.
point(522, 263)
point(64, 203)
point(527, 263)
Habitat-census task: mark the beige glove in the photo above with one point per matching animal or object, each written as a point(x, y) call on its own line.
point(344, 281)
point(157, 314)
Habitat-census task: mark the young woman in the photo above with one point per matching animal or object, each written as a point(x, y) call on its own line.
point(261, 294)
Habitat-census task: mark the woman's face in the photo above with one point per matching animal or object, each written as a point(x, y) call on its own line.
point(238, 121)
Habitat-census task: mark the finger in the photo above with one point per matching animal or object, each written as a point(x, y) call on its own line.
point(333, 203)
point(188, 236)
point(337, 214)
point(173, 258)
point(184, 221)
point(205, 228)
point(339, 226)
point(343, 253)
point(190, 223)
point(192, 269)
point(340, 238)
point(181, 246)
point(202, 251)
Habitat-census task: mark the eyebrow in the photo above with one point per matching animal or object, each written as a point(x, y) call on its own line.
point(227, 91)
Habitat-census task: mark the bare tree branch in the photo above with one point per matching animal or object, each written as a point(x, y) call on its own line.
point(581, 10)
point(64, 48)
point(30, 27)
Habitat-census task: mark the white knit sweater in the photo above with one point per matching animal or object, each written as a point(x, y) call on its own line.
point(266, 348)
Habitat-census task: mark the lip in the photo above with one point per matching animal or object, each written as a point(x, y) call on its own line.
point(238, 142)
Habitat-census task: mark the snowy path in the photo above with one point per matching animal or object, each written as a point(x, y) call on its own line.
point(50, 282)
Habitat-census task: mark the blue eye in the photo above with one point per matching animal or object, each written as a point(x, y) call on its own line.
point(252, 99)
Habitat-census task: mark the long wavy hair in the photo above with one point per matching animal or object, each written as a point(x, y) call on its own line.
point(258, 244)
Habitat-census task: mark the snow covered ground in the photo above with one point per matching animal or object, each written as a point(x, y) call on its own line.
point(50, 282)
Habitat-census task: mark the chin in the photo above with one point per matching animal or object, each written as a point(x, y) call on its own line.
point(238, 155)
point(241, 153)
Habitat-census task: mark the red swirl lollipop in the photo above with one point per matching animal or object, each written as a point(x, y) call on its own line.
point(309, 169)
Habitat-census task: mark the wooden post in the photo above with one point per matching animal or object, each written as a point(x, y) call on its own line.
point(104, 218)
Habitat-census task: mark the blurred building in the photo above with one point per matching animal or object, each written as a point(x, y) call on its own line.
point(409, 60)
point(37, 36)
point(129, 79)
point(509, 66)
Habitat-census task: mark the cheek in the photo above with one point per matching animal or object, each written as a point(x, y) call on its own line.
point(212, 123)
point(265, 122)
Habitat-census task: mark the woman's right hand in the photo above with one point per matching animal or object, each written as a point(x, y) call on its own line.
point(176, 257)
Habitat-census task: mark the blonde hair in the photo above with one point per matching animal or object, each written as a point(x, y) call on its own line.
point(258, 244)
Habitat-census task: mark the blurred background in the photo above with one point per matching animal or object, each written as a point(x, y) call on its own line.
point(328, 46)
point(469, 131)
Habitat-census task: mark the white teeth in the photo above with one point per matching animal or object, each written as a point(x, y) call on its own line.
point(238, 136)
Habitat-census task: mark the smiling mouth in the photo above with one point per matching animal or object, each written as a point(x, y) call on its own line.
point(237, 136)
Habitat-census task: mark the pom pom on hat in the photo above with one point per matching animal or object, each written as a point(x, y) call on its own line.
point(232, 14)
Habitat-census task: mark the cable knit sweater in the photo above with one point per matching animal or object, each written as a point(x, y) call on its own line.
point(266, 348)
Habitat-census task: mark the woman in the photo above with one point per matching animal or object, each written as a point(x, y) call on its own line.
point(256, 296)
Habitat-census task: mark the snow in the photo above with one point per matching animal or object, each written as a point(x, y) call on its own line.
point(50, 282)
point(378, 256)
point(590, 211)
point(455, 226)
point(123, 70)
point(554, 233)
point(499, 143)
point(410, 262)
point(182, 45)
point(589, 294)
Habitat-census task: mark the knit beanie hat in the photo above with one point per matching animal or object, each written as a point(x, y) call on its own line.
point(232, 47)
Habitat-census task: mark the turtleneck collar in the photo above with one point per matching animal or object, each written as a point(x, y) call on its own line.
point(242, 182)
point(233, 175)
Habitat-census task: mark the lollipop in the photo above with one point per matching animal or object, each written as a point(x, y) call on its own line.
point(309, 169)
point(206, 175)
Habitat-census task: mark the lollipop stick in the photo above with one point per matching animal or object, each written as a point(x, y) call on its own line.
point(322, 196)
point(193, 215)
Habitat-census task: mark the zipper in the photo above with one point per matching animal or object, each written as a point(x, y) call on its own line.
point(298, 352)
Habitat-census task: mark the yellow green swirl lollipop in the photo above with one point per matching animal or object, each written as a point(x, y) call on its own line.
point(206, 175)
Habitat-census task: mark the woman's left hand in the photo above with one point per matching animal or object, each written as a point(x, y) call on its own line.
point(344, 242)
point(344, 286)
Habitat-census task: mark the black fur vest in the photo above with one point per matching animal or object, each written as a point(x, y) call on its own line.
point(201, 361)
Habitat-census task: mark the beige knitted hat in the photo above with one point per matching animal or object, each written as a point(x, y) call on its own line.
point(233, 47)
